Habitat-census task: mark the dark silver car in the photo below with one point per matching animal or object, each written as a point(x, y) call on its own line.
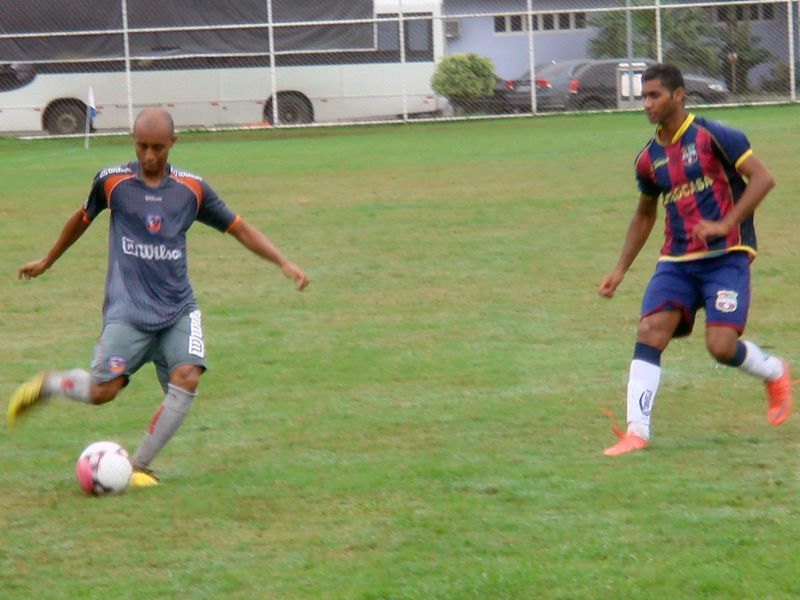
point(603, 84)
point(552, 86)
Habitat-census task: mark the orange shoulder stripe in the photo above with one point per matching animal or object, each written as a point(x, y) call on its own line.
point(193, 185)
point(112, 182)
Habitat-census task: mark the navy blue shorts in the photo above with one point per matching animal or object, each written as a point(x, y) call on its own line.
point(720, 284)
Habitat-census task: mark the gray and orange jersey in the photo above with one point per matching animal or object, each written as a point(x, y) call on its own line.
point(147, 285)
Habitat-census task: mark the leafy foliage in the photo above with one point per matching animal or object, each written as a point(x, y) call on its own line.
point(463, 77)
point(688, 42)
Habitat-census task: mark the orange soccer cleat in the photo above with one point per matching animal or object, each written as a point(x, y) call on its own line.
point(779, 394)
point(627, 443)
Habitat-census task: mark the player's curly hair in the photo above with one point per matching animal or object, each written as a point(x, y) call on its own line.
point(670, 75)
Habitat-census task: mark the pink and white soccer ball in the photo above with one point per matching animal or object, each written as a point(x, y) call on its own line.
point(103, 468)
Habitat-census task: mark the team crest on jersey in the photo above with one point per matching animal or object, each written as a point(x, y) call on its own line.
point(689, 155)
point(116, 364)
point(153, 223)
point(727, 301)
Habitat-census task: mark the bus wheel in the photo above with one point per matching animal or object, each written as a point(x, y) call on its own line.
point(62, 118)
point(293, 109)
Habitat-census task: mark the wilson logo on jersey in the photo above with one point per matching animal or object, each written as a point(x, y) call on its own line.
point(150, 251)
point(153, 223)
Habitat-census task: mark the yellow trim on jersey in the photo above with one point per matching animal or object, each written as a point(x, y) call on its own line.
point(706, 254)
point(681, 130)
point(742, 158)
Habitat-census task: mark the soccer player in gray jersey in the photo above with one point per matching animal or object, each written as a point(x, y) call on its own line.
point(149, 313)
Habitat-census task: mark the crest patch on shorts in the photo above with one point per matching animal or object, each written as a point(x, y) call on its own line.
point(116, 364)
point(727, 301)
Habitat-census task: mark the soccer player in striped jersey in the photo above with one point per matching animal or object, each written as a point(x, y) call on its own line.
point(149, 313)
point(710, 183)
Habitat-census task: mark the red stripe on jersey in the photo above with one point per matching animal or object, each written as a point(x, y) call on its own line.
point(193, 185)
point(687, 207)
point(720, 187)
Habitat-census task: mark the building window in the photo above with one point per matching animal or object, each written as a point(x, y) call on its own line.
point(547, 22)
point(512, 23)
point(752, 12)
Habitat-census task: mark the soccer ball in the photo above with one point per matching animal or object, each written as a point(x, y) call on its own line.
point(103, 468)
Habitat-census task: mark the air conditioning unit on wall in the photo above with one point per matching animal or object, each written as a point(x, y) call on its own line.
point(452, 29)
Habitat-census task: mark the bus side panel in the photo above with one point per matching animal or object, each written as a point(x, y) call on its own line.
point(243, 94)
point(191, 95)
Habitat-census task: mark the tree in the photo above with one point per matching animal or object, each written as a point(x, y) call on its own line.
point(684, 34)
point(728, 49)
point(739, 50)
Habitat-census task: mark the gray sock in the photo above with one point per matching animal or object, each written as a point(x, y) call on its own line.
point(165, 422)
point(75, 384)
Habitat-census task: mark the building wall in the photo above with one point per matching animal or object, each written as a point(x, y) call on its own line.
point(509, 50)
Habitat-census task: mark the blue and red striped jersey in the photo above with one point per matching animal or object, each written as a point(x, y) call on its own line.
point(696, 177)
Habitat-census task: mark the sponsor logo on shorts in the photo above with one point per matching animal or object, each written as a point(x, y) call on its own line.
point(150, 251)
point(196, 345)
point(116, 364)
point(153, 223)
point(727, 301)
point(646, 402)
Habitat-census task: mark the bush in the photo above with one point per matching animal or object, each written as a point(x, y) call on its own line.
point(464, 77)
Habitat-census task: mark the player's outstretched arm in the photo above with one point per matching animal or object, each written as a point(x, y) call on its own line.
point(255, 241)
point(638, 231)
point(72, 230)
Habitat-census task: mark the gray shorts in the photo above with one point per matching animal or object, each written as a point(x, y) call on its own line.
point(123, 349)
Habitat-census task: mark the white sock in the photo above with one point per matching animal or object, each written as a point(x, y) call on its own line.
point(760, 364)
point(642, 387)
point(75, 384)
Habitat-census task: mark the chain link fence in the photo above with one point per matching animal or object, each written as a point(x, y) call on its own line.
point(74, 67)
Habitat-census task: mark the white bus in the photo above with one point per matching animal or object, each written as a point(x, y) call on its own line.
point(221, 75)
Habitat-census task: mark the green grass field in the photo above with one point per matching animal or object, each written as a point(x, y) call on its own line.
point(423, 421)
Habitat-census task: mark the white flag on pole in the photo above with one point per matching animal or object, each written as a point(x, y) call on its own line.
point(91, 109)
point(91, 112)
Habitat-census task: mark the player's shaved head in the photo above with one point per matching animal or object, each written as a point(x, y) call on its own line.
point(153, 137)
point(154, 121)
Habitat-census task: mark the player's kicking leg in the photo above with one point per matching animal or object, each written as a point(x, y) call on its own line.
point(24, 397)
point(75, 384)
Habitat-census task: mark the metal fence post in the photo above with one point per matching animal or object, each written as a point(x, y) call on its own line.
point(128, 78)
point(273, 79)
point(531, 57)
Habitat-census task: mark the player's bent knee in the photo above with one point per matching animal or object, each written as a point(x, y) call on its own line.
point(186, 377)
point(106, 392)
point(721, 351)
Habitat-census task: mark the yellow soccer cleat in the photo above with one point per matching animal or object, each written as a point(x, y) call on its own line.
point(25, 396)
point(141, 479)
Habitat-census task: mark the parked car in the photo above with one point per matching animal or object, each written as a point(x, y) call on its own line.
point(601, 84)
point(552, 86)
